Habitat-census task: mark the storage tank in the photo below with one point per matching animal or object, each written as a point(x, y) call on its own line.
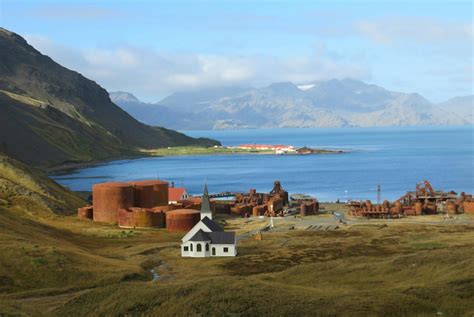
point(451, 208)
point(255, 211)
point(468, 207)
point(150, 193)
point(108, 198)
point(430, 209)
point(137, 217)
point(418, 208)
point(369, 205)
point(182, 219)
point(303, 209)
point(316, 205)
point(258, 210)
point(398, 207)
point(408, 211)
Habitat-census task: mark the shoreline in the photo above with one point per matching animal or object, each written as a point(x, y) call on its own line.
point(68, 167)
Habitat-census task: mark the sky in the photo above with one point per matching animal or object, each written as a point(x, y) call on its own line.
point(155, 48)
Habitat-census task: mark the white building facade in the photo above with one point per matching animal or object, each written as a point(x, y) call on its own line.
point(207, 238)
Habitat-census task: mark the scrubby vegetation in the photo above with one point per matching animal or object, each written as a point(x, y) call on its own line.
point(362, 270)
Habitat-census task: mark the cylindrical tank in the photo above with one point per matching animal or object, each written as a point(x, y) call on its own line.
point(137, 217)
point(164, 208)
point(451, 208)
point(150, 193)
point(418, 208)
point(386, 204)
point(408, 211)
point(398, 207)
point(468, 207)
point(257, 211)
point(303, 209)
point(285, 198)
point(194, 206)
point(182, 219)
point(369, 206)
point(430, 209)
point(85, 212)
point(266, 198)
point(108, 198)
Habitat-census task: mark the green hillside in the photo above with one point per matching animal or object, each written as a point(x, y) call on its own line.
point(51, 115)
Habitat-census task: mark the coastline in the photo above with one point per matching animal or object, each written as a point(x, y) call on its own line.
point(68, 167)
point(196, 150)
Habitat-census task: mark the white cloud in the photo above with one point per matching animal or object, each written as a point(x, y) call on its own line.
point(74, 11)
point(151, 74)
point(392, 30)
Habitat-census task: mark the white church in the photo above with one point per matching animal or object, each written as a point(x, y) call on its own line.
point(207, 238)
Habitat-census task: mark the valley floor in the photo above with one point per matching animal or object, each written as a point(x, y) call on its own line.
point(64, 266)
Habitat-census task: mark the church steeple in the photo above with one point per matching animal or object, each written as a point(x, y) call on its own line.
point(206, 210)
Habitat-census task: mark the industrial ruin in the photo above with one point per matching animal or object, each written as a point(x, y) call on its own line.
point(140, 204)
point(146, 204)
point(423, 201)
point(272, 204)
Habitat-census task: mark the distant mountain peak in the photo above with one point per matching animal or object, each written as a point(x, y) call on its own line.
point(320, 103)
point(305, 86)
point(122, 96)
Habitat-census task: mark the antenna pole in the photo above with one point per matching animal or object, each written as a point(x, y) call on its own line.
point(379, 196)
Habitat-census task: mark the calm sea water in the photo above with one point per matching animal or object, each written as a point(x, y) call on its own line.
point(394, 158)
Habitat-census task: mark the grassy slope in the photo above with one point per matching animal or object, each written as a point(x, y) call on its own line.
point(45, 252)
point(50, 114)
point(31, 191)
point(411, 270)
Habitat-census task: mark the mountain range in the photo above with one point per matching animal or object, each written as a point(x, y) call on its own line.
point(329, 103)
point(51, 115)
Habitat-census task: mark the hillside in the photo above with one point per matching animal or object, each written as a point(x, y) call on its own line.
point(30, 191)
point(331, 103)
point(51, 115)
point(42, 249)
point(462, 106)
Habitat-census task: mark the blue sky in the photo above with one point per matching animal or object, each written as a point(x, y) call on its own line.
point(154, 48)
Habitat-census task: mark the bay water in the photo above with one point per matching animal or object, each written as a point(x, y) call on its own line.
point(394, 158)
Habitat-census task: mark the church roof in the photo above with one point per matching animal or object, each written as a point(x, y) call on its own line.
point(200, 236)
point(222, 237)
point(205, 205)
point(219, 237)
point(211, 224)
